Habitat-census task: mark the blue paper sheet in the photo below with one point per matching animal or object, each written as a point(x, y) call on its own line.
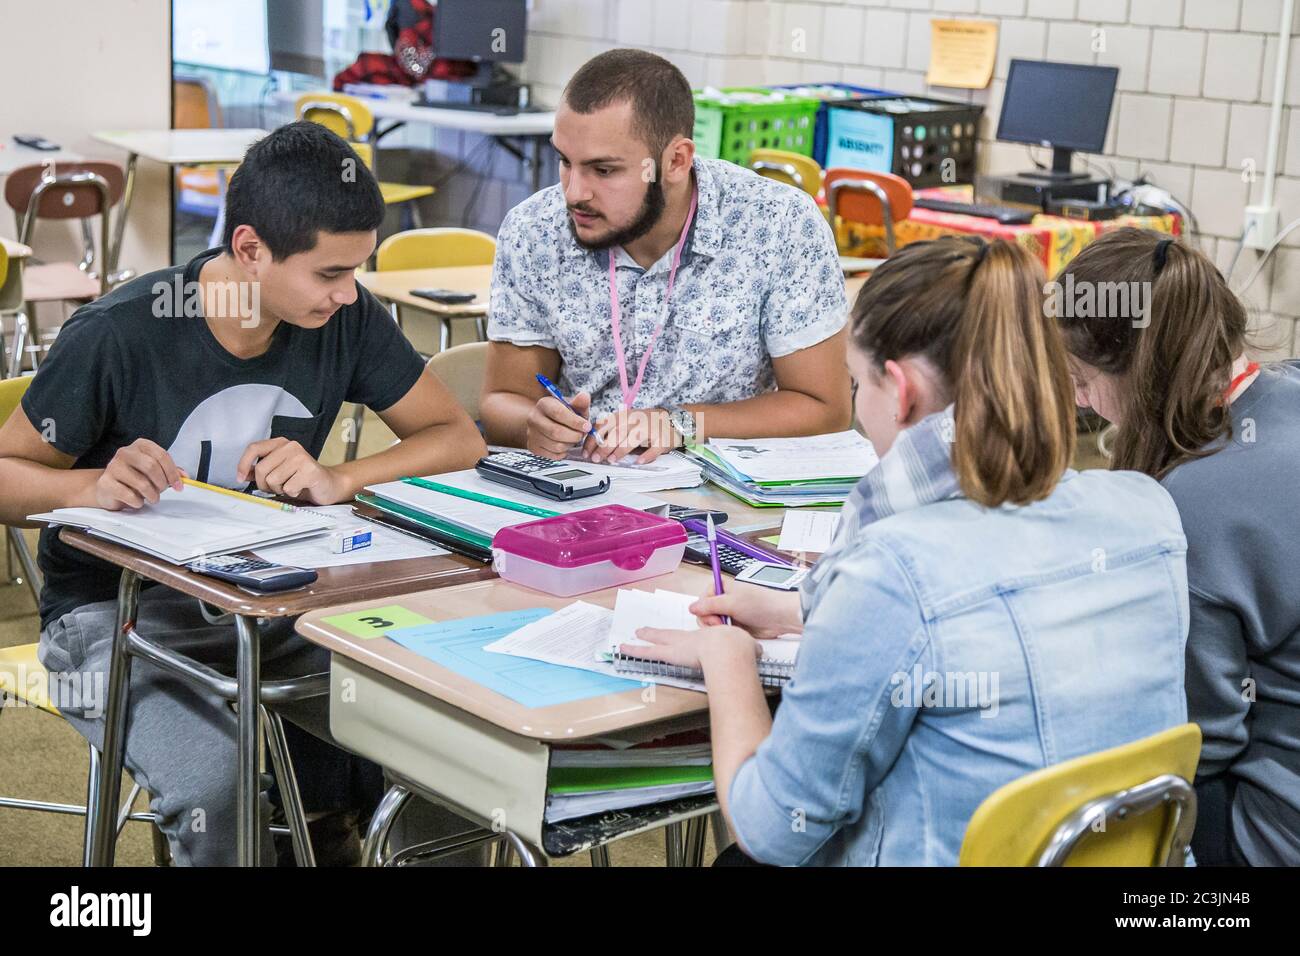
point(458, 646)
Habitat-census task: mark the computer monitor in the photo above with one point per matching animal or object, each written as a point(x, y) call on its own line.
point(296, 36)
point(1065, 106)
point(489, 31)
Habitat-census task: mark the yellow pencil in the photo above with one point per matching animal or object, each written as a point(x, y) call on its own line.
point(277, 505)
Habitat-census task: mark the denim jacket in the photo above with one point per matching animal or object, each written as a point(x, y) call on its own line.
point(950, 649)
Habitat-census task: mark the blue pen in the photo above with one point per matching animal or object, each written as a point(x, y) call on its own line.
point(547, 384)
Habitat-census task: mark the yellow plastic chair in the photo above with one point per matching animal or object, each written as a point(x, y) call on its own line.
point(25, 683)
point(349, 117)
point(11, 393)
point(462, 370)
point(1128, 806)
point(784, 166)
point(444, 247)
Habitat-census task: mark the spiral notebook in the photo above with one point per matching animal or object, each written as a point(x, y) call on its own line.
point(775, 667)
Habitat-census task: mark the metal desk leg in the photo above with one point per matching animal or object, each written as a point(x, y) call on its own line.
point(249, 691)
point(93, 776)
point(696, 831)
point(600, 856)
point(673, 844)
point(528, 854)
point(101, 824)
point(278, 745)
point(372, 852)
point(119, 231)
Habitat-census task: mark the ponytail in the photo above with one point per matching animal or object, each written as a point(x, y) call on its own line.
point(1170, 340)
point(1014, 409)
point(975, 311)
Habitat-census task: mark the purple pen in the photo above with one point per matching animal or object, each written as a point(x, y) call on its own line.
point(712, 535)
point(737, 543)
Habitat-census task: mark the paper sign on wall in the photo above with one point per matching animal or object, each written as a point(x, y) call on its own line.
point(962, 53)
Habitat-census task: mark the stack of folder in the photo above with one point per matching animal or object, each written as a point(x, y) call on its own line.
point(462, 511)
point(787, 472)
point(587, 780)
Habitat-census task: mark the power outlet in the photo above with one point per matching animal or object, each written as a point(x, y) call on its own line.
point(1261, 225)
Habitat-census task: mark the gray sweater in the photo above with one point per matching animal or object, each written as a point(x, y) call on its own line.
point(1241, 514)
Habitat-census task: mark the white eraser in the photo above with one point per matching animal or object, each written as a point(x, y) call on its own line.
point(350, 539)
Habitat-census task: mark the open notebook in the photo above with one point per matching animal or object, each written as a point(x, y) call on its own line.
point(186, 525)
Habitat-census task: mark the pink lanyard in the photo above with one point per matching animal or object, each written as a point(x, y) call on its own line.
point(629, 395)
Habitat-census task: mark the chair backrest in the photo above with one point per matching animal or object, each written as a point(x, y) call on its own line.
point(462, 369)
point(1128, 806)
point(367, 154)
point(194, 104)
point(345, 115)
point(68, 197)
point(11, 393)
point(857, 201)
point(784, 166)
point(435, 248)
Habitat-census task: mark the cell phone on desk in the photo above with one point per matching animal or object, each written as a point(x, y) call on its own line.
point(445, 296)
point(32, 141)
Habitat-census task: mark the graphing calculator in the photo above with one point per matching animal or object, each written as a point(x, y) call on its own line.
point(253, 574)
point(542, 476)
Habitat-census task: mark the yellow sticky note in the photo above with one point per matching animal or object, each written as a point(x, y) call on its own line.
point(962, 53)
point(376, 622)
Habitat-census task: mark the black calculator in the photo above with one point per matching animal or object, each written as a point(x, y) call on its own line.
point(729, 559)
point(560, 480)
point(253, 574)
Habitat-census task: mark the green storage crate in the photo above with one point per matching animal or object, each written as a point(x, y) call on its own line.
point(732, 123)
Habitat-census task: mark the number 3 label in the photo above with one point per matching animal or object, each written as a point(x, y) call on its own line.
point(375, 621)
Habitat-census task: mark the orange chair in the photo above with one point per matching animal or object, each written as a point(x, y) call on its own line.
point(200, 190)
point(81, 191)
point(871, 199)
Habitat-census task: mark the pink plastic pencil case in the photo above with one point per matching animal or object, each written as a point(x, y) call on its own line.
point(588, 550)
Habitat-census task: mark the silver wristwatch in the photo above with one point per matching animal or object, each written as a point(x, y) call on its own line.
point(682, 420)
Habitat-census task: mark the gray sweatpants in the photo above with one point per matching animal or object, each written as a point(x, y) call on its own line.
point(181, 739)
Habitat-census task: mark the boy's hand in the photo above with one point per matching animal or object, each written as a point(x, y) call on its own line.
point(136, 476)
point(284, 467)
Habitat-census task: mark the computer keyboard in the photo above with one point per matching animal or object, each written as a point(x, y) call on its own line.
point(1007, 215)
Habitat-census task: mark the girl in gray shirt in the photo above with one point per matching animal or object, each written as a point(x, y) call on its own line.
point(1157, 342)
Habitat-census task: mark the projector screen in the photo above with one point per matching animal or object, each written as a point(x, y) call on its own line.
point(222, 34)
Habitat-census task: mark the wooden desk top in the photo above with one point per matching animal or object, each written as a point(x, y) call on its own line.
point(583, 718)
point(577, 719)
point(396, 286)
point(184, 147)
point(357, 582)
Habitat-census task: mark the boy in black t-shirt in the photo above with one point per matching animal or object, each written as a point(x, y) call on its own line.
point(230, 369)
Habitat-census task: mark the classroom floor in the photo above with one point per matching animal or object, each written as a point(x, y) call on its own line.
point(42, 758)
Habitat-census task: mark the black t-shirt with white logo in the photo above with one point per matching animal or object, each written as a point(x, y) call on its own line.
point(138, 364)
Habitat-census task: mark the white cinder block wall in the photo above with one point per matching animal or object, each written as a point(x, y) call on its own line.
point(1196, 80)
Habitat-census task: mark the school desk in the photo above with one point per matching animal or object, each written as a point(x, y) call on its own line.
point(172, 147)
point(449, 739)
point(381, 580)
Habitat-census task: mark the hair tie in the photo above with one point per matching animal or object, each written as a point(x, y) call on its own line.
point(1161, 254)
point(982, 254)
